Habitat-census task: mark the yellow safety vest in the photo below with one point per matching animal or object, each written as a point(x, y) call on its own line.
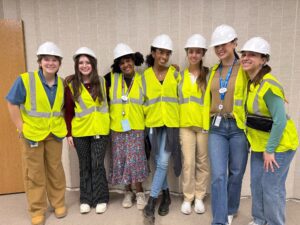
point(257, 106)
point(191, 101)
point(239, 98)
point(91, 117)
point(132, 109)
point(161, 105)
point(39, 119)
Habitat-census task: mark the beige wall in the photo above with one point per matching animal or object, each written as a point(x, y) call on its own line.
point(101, 24)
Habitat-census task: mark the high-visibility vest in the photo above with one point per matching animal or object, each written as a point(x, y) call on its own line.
point(239, 98)
point(91, 117)
point(132, 109)
point(257, 106)
point(39, 119)
point(161, 105)
point(191, 102)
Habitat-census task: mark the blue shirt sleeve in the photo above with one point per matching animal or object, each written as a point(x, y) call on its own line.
point(275, 105)
point(17, 93)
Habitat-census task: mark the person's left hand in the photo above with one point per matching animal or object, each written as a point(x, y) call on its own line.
point(177, 67)
point(269, 161)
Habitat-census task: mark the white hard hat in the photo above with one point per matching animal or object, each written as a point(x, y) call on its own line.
point(222, 34)
point(84, 51)
point(122, 49)
point(49, 48)
point(163, 41)
point(196, 41)
point(257, 44)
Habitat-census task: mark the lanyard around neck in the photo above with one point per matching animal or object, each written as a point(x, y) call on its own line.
point(224, 83)
point(125, 95)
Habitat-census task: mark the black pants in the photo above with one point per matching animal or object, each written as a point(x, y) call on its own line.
point(93, 182)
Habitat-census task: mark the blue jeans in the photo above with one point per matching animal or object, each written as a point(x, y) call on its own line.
point(268, 188)
point(162, 157)
point(228, 154)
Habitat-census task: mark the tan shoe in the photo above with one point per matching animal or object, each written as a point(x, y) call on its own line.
point(61, 212)
point(38, 220)
point(127, 201)
point(140, 200)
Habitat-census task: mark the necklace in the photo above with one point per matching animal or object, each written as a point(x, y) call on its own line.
point(160, 75)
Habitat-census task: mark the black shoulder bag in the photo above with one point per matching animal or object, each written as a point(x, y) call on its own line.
point(262, 123)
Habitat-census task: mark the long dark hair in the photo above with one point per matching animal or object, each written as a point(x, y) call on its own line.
point(137, 58)
point(94, 78)
point(149, 58)
point(201, 79)
point(261, 73)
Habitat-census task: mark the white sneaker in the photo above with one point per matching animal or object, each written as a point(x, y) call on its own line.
point(101, 207)
point(140, 200)
point(186, 208)
point(229, 218)
point(127, 201)
point(84, 208)
point(253, 223)
point(199, 206)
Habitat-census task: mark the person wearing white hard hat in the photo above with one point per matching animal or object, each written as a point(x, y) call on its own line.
point(227, 143)
point(193, 135)
point(272, 135)
point(128, 160)
point(35, 104)
point(87, 119)
point(161, 108)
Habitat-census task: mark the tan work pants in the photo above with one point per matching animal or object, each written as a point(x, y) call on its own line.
point(43, 175)
point(195, 163)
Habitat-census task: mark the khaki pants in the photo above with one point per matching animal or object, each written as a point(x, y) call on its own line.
point(195, 166)
point(43, 175)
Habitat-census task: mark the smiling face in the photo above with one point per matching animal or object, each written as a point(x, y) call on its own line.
point(195, 55)
point(84, 65)
point(127, 66)
point(252, 62)
point(225, 51)
point(49, 64)
point(161, 56)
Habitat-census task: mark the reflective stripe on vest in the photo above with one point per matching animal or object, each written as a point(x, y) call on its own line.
point(87, 111)
point(161, 106)
point(239, 98)
point(255, 102)
point(33, 112)
point(116, 100)
point(256, 105)
point(183, 100)
point(158, 99)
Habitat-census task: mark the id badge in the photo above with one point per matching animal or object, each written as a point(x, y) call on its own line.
point(125, 125)
point(217, 121)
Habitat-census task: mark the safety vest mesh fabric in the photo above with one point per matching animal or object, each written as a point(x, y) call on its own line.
point(191, 102)
point(239, 98)
point(161, 104)
point(133, 107)
point(257, 106)
point(39, 119)
point(91, 117)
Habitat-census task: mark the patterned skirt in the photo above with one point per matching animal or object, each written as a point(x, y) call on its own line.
point(128, 160)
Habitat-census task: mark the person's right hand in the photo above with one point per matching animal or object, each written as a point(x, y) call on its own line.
point(70, 141)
